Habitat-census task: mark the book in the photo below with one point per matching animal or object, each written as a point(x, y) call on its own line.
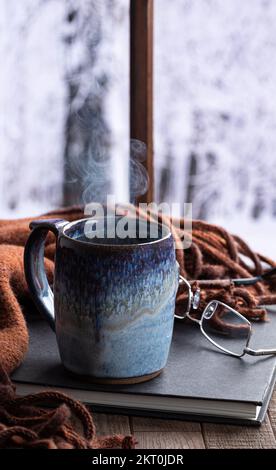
point(199, 383)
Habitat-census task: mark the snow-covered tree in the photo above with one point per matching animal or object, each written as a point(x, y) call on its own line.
point(214, 105)
point(64, 88)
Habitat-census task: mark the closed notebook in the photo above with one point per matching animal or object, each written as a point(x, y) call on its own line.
point(198, 383)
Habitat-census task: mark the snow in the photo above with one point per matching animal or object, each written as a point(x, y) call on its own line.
point(41, 53)
point(117, 40)
point(215, 84)
point(32, 103)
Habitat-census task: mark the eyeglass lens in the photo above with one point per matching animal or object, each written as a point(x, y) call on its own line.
point(226, 328)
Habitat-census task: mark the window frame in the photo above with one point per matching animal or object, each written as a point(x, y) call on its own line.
point(141, 82)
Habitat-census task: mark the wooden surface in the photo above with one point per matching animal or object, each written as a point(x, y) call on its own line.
point(141, 81)
point(170, 434)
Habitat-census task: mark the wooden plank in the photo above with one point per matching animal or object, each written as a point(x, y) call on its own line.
point(111, 424)
point(169, 440)
point(141, 82)
point(272, 412)
point(217, 436)
point(162, 425)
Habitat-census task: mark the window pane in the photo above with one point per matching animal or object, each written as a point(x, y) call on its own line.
point(64, 102)
point(215, 112)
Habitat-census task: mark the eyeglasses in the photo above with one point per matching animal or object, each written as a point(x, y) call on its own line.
point(222, 325)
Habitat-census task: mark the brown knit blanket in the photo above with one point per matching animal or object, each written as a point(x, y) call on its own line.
point(214, 257)
point(213, 260)
point(26, 421)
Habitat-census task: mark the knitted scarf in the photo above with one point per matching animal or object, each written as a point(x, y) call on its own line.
point(214, 258)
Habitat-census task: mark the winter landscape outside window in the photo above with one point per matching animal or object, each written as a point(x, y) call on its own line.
point(215, 112)
point(64, 105)
point(64, 102)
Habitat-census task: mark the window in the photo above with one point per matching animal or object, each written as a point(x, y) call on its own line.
point(64, 102)
point(203, 71)
point(215, 113)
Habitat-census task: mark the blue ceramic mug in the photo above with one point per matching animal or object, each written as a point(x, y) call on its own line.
point(113, 303)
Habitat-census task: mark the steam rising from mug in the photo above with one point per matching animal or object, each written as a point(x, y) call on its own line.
point(139, 179)
point(92, 172)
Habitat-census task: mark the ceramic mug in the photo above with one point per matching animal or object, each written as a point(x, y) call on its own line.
point(113, 303)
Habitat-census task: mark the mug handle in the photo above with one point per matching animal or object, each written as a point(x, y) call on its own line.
point(35, 274)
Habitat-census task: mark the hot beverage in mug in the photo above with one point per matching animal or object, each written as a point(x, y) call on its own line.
point(113, 299)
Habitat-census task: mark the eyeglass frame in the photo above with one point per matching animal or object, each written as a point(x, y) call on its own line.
point(246, 350)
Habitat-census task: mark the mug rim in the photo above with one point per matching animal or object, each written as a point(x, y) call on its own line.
point(111, 245)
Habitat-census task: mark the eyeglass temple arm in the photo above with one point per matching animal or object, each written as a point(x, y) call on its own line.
point(247, 281)
point(262, 277)
point(260, 352)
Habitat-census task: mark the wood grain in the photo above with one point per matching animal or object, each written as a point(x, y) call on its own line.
point(111, 424)
point(162, 425)
point(272, 413)
point(169, 440)
point(218, 436)
point(141, 82)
